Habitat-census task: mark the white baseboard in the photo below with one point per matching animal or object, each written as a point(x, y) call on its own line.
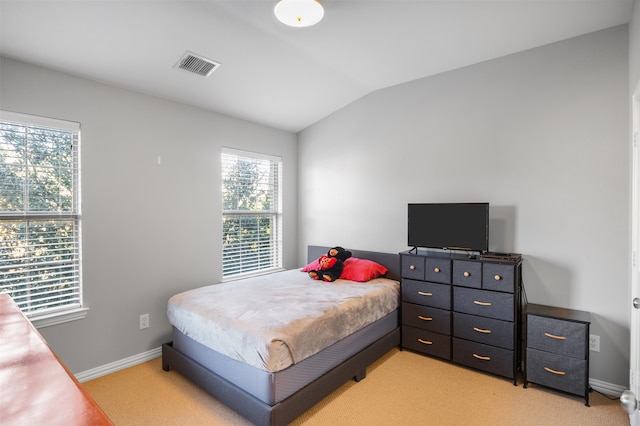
point(94, 373)
point(606, 388)
point(112, 367)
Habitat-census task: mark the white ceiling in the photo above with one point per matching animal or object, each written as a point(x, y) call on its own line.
point(283, 77)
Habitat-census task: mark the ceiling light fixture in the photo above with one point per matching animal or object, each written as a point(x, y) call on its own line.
point(299, 13)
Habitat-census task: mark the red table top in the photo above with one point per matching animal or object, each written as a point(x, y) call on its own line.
point(36, 388)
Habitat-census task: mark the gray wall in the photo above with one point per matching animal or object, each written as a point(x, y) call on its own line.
point(149, 231)
point(543, 135)
point(634, 46)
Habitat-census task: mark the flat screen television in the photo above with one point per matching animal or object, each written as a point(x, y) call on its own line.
point(452, 226)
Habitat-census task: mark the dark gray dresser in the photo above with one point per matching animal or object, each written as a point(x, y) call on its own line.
point(557, 349)
point(426, 304)
point(464, 310)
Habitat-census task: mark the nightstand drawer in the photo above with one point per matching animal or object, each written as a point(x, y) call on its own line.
point(557, 336)
point(484, 330)
point(426, 342)
point(425, 293)
point(498, 277)
point(488, 304)
point(413, 267)
point(484, 357)
point(426, 318)
point(467, 274)
point(557, 371)
point(438, 270)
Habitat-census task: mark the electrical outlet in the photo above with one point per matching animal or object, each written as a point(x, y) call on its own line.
point(594, 343)
point(144, 321)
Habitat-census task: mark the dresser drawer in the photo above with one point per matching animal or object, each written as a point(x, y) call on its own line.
point(426, 342)
point(484, 330)
point(426, 293)
point(499, 277)
point(557, 371)
point(557, 336)
point(484, 357)
point(488, 304)
point(467, 274)
point(426, 318)
point(438, 270)
point(412, 267)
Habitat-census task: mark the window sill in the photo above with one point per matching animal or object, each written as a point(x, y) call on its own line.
point(41, 321)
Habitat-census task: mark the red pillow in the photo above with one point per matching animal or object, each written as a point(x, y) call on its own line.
point(313, 266)
point(362, 270)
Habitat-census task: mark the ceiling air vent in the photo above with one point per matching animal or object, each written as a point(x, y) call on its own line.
point(197, 64)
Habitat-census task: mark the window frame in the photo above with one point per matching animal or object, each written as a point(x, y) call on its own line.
point(77, 309)
point(274, 213)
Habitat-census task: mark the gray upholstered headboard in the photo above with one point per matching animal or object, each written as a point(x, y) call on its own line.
point(390, 260)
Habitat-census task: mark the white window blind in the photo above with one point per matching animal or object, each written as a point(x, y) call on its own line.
point(251, 213)
point(40, 213)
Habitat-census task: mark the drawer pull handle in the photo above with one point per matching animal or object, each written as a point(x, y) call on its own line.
point(436, 269)
point(497, 277)
point(412, 267)
point(425, 342)
point(481, 330)
point(559, 373)
point(482, 358)
point(466, 274)
point(425, 318)
point(424, 293)
point(482, 303)
point(553, 336)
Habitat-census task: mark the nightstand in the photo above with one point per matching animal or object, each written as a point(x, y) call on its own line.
point(557, 349)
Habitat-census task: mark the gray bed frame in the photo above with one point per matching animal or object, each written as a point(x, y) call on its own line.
point(289, 409)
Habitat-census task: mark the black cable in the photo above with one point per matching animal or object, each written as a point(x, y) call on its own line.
point(611, 398)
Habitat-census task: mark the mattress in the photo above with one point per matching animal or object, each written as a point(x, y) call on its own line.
point(274, 387)
point(274, 321)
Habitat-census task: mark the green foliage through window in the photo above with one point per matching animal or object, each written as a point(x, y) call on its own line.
point(39, 213)
point(251, 217)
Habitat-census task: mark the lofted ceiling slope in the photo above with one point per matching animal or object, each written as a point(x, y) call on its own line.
point(282, 77)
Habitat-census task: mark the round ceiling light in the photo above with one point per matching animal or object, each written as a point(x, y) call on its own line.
point(299, 13)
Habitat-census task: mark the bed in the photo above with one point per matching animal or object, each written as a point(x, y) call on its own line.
point(265, 387)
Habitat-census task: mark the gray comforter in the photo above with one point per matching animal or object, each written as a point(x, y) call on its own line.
point(275, 320)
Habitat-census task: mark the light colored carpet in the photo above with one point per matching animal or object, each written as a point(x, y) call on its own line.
point(402, 388)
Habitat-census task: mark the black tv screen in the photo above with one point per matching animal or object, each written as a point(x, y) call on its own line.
point(453, 226)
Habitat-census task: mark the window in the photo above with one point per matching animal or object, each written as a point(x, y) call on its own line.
point(251, 213)
point(40, 215)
